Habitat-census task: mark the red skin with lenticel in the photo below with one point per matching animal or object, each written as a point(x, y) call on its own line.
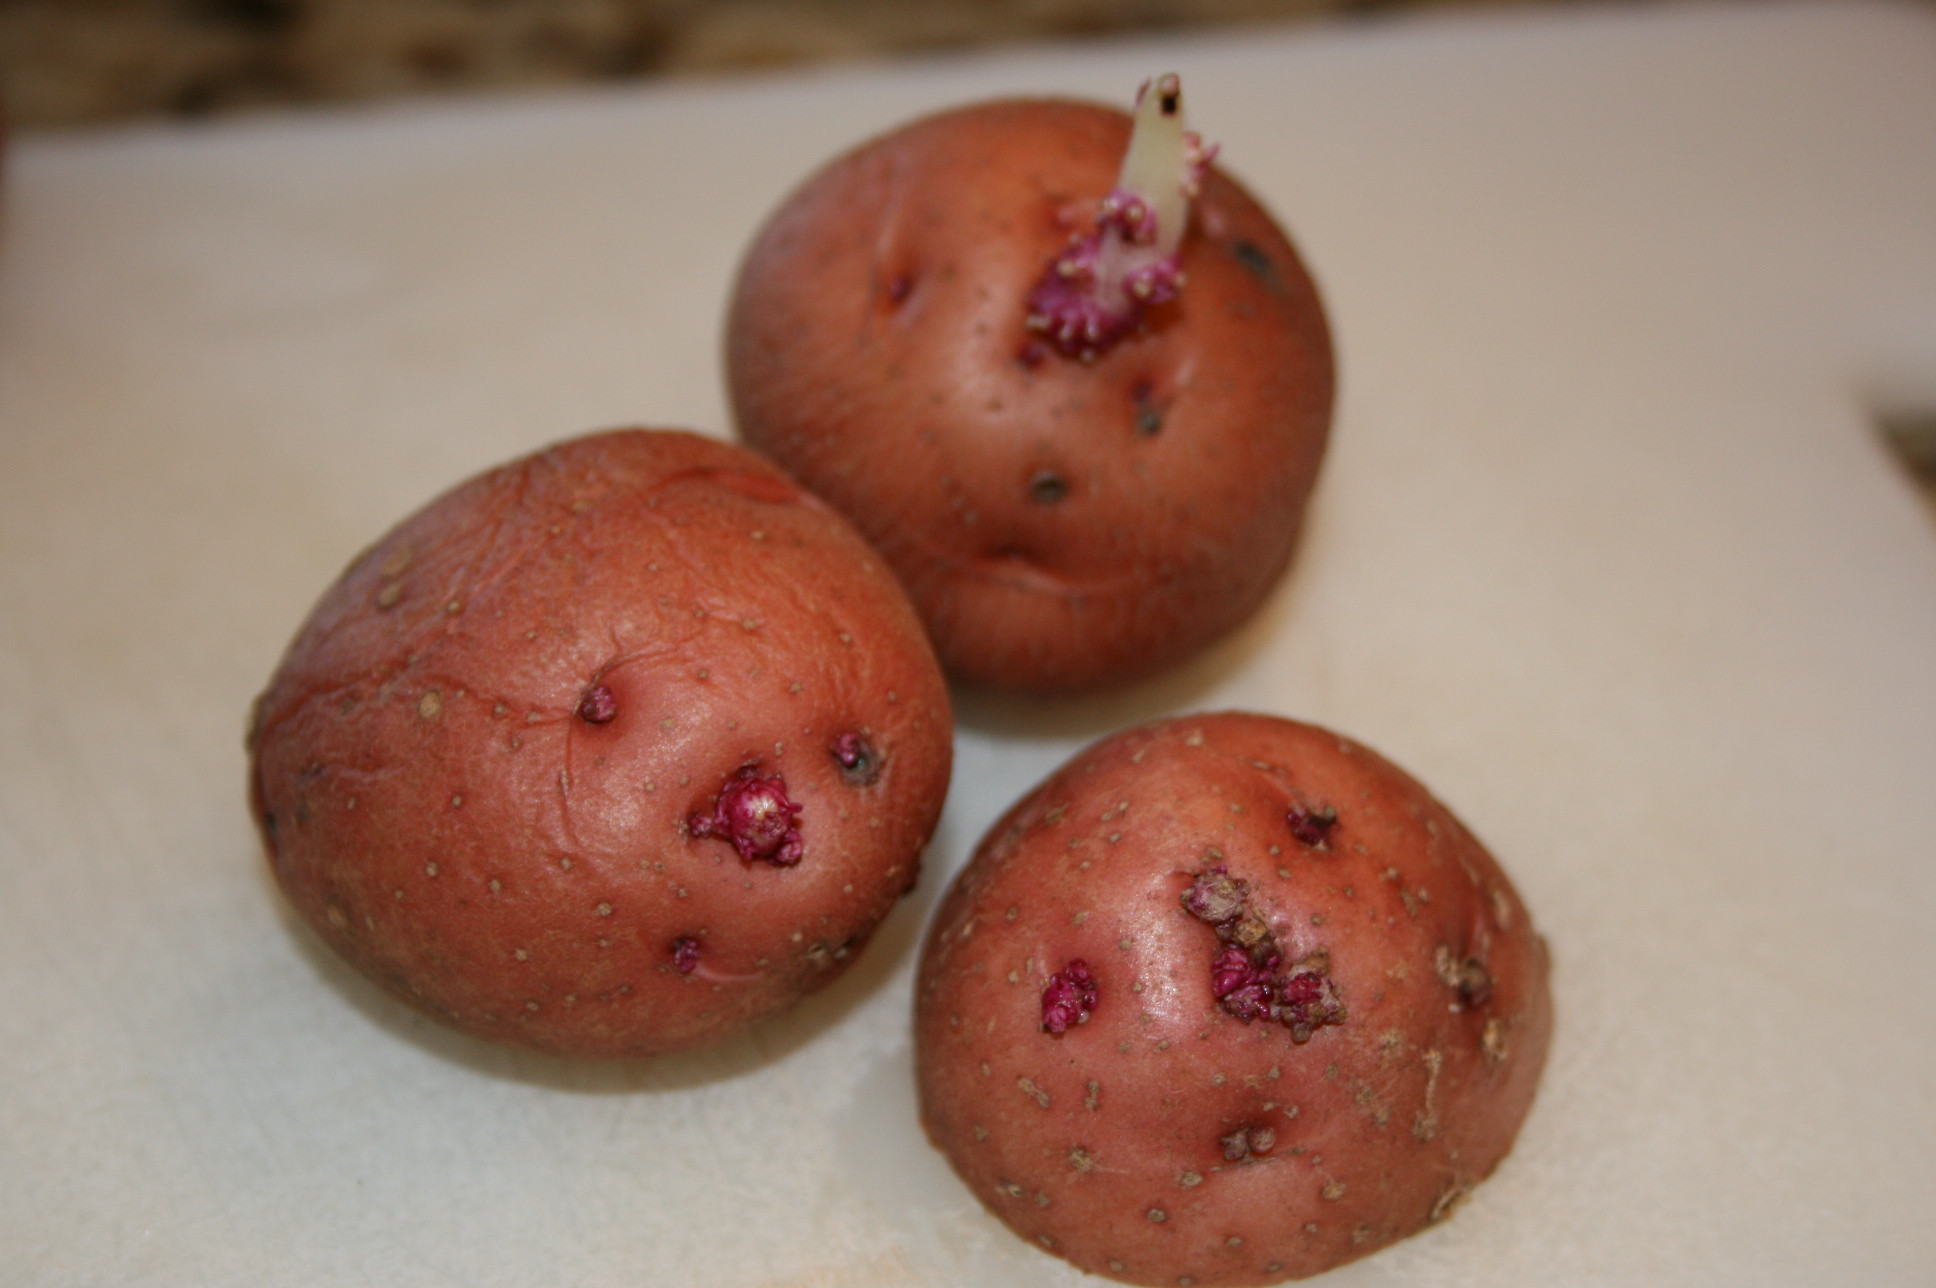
point(1309, 1014)
point(1068, 515)
point(613, 751)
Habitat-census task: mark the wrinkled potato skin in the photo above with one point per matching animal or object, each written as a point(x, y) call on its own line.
point(1083, 1143)
point(437, 810)
point(874, 348)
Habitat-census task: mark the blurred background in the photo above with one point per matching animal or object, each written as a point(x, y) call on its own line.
point(67, 64)
point(78, 62)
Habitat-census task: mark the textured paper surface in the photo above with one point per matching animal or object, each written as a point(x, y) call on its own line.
point(1607, 552)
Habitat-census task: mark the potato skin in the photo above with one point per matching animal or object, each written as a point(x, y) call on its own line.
point(877, 348)
point(1104, 1144)
point(442, 806)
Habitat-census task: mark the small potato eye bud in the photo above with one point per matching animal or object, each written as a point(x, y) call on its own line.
point(1307, 1001)
point(685, 954)
point(1312, 826)
point(859, 763)
point(1248, 1142)
point(1247, 930)
point(1048, 487)
point(598, 706)
point(757, 817)
point(1215, 896)
point(1468, 976)
point(1069, 998)
point(1243, 988)
point(1149, 416)
point(1476, 986)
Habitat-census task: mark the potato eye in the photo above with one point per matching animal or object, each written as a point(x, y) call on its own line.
point(1149, 415)
point(1069, 997)
point(597, 706)
point(859, 763)
point(1252, 257)
point(1312, 825)
point(1048, 487)
point(757, 817)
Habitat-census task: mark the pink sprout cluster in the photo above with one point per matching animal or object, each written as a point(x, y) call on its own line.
point(685, 954)
point(757, 817)
point(1247, 975)
point(1244, 988)
point(1069, 997)
point(1096, 291)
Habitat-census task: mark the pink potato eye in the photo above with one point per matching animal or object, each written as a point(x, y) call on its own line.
point(598, 706)
point(1245, 989)
point(1069, 998)
point(757, 817)
point(1215, 896)
point(859, 763)
point(1247, 975)
point(1312, 826)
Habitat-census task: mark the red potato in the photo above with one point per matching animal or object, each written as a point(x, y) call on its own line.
point(613, 751)
point(1227, 1000)
point(1087, 460)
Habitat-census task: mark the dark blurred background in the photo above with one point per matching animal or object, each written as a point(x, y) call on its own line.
point(75, 62)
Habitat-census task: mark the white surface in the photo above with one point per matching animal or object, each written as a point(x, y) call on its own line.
point(1607, 552)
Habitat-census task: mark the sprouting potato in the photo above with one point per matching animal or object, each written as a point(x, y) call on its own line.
point(1228, 999)
point(1072, 381)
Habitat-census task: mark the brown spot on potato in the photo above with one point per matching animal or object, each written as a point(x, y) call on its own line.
point(1467, 977)
point(1048, 487)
